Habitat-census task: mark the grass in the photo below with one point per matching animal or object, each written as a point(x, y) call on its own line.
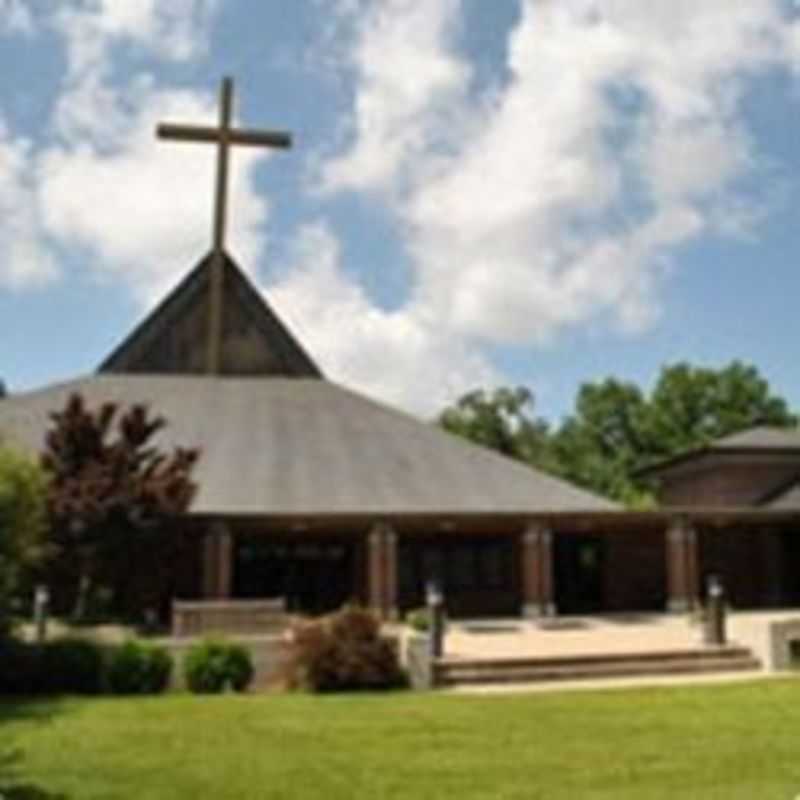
point(726, 741)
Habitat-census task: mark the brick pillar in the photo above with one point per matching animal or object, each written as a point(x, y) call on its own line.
point(375, 571)
point(217, 562)
point(390, 574)
point(682, 567)
point(209, 577)
point(225, 562)
point(536, 571)
point(382, 571)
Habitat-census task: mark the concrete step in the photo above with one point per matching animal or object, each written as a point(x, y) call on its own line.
point(453, 672)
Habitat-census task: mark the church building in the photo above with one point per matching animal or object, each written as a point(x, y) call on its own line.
point(313, 493)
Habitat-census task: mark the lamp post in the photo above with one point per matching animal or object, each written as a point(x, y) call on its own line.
point(714, 630)
point(435, 602)
point(41, 607)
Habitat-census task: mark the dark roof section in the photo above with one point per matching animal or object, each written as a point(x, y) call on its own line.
point(789, 500)
point(760, 439)
point(173, 337)
point(275, 446)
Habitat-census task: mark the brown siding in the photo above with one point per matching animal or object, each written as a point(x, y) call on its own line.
point(725, 484)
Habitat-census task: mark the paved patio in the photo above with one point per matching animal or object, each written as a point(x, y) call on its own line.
point(623, 633)
point(613, 634)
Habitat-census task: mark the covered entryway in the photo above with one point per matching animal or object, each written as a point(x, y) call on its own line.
point(314, 576)
point(477, 574)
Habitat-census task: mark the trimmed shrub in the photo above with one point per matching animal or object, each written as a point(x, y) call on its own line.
point(138, 668)
point(212, 666)
point(71, 666)
point(240, 667)
point(343, 652)
point(63, 666)
point(20, 668)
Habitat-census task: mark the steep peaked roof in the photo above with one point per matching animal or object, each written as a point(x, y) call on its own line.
point(279, 446)
point(172, 338)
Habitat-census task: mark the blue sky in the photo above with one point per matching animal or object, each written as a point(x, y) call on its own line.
point(516, 192)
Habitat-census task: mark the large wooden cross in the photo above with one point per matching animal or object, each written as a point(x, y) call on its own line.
point(223, 136)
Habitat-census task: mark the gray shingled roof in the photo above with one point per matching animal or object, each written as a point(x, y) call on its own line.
point(789, 500)
point(303, 447)
point(760, 438)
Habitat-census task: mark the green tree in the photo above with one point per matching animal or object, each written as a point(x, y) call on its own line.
point(112, 495)
point(600, 445)
point(23, 487)
point(691, 406)
point(501, 420)
point(616, 429)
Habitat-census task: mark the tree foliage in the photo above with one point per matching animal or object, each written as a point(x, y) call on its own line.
point(111, 492)
point(616, 428)
point(22, 524)
point(501, 420)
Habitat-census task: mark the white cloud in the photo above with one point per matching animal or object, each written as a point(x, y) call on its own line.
point(397, 356)
point(177, 30)
point(142, 208)
point(406, 81)
point(15, 17)
point(139, 209)
point(27, 260)
point(618, 136)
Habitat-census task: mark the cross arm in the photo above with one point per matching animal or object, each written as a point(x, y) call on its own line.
point(201, 133)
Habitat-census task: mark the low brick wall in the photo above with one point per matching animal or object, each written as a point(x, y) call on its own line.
point(268, 653)
point(204, 617)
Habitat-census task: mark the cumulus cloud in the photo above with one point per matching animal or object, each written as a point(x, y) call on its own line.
point(408, 81)
point(397, 356)
point(142, 208)
point(27, 260)
point(617, 136)
point(137, 209)
point(15, 17)
point(177, 30)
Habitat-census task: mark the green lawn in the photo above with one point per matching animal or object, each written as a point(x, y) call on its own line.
point(732, 741)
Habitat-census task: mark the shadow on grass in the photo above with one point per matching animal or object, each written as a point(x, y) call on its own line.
point(37, 709)
point(13, 789)
point(12, 785)
point(27, 791)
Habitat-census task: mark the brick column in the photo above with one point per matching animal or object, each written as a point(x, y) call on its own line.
point(217, 562)
point(375, 571)
point(382, 571)
point(536, 571)
point(390, 574)
point(225, 562)
point(682, 568)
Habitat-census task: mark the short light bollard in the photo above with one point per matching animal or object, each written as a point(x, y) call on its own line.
point(435, 603)
point(714, 624)
point(41, 608)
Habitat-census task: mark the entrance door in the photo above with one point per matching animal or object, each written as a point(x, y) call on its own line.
point(477, 574)
point(312, 576)
point(579, 572)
